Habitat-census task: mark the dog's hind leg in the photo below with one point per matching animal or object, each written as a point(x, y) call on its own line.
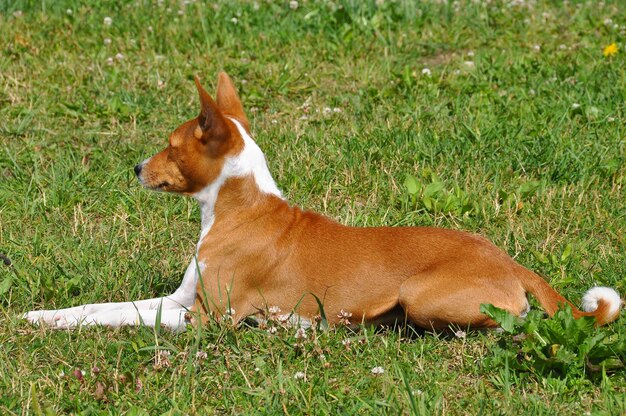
point(437, 299)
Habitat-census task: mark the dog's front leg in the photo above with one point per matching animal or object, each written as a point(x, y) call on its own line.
point(172, 309)
point(126, 315)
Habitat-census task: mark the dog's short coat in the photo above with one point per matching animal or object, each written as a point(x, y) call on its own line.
point(256, 251)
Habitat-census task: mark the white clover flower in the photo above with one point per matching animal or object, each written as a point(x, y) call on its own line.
point(201, 355)
point(608, 21)
point(469, 64)
point(69, 12)
point(109, 61)
point(272, 330)
point(344, 314)
point(378, 371)
point(283, 318)
point(293, 4)
point(470, 53)
point(161, 359)
point(344, 317)
point(234, 20)
point(536, 48)
point(301, 334)
point(107, 41)
point(460, 334)
point(119, 56)
point(274, 310)
point(299, 376)
point(575, 106)
point(426, 72)
point(108, 21)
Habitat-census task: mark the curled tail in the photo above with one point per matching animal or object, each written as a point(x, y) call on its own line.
point(603, 303)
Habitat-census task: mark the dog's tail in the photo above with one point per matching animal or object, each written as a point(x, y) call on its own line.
point(603, 303)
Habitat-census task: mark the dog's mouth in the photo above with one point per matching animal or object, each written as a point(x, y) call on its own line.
point(162, 185)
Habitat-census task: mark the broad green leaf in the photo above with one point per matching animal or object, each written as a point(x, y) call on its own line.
point(506, 320)
point(433, 189)
point(5, 285)
point(428, 203)
point(411, 184)
point(566, 252)
point(539, 256)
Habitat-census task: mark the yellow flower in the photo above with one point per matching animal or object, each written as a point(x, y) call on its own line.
point(610, 50)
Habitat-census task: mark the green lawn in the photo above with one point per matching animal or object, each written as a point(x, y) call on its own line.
point(502, 118)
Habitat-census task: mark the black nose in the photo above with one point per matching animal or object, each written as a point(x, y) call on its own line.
point(138, 169)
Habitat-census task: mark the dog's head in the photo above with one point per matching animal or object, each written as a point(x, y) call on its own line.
point(198, 148)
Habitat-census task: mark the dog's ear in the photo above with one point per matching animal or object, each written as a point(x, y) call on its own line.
point(228, 101)
point(212, 128)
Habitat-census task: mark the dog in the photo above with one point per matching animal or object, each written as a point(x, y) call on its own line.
point(258, 253)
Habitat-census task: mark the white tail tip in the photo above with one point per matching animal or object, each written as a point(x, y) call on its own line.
point(595, 294)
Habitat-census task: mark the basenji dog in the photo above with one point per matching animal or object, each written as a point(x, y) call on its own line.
point(257, 252)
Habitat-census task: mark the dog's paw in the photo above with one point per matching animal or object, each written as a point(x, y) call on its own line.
point(40, 317)
point(57, 319)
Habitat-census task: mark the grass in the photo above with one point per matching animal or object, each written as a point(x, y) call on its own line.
point(521, 121)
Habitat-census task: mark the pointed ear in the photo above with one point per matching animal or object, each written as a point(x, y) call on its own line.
point(212, 128)
point(228, 101)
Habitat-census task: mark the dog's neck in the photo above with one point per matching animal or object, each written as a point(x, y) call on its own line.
point(249, 163)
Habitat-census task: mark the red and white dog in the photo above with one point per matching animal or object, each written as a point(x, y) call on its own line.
point(256, 251)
